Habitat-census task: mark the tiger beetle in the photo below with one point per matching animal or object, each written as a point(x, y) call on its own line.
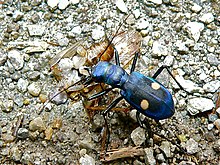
point(145, 94)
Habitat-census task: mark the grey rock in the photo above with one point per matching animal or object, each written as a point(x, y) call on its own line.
point(35, 75)
point(34, 89)
point(35, 18)
point(7, 106)
point(16, 59)
point(17, 15)
point(192, 146)
point(138, 136)
point(199, 104)
point(37, 125)
point(22, 133)
point(149, 156)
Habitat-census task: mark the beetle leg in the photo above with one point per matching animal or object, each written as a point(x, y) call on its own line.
point(113, 104)
point(134, 62)
point(117, 61)
point(100, 94)
point(165, 67)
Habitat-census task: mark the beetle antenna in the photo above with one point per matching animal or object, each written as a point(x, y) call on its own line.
point(110, 41)
point(64, 89)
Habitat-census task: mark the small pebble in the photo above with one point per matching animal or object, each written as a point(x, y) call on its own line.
point(22, 85)
point(52, 3)
point(37, 125)
point(22, 133)
point(212, 117)
point(16, 154)
point(159, 49)
point(48, 133)
point(121, 6)
point(16, 59)
point(218, 111)
point(217, 124)
point(86, 160)
point(34, 89)
point(138, 136)
point(216, 146)
point(63, 4)
point(142, 24)
point(57, 123)
point(98, 32)
point(196, 8)
point(210, 126)
point(160, 158)
point(192, 146)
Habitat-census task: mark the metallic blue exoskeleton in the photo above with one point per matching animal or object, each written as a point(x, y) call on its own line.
point(145, 94)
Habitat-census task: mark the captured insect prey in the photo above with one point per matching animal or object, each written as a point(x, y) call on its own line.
point(101, 81)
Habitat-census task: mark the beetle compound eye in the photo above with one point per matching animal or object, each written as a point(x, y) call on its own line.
point(144, 104)
point(155, 86)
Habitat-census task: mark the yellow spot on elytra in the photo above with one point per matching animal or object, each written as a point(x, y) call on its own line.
point(155, 86)
point(144, 104)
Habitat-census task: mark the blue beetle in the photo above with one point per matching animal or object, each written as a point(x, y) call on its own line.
point(144, 93)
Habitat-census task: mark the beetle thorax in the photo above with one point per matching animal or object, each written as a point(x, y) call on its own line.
point(108, 73)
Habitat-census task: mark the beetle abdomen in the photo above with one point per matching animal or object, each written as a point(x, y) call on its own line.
point(148, 96)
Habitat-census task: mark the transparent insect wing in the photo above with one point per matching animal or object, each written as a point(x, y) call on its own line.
point(127, 43)
point(66, 53)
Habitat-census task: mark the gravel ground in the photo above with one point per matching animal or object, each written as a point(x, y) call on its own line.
point(185, 35)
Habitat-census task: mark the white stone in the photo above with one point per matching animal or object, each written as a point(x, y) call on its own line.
point(36, 30)
point(168, 61)
point(74, 2)
point(196, 8)
point(142, 24)
point(121, 6)
point(34, 89)
point(63, 4)
point(76, 30)
point(65, 64)
point(157, 2)
point(16, 59)
point(138, 136)
point(137, 13)
point(207, 18)
point(86, 160)
point(52, 3)
point(159, 49)
point(194, 29)
point(199, 104)
point(212, 86)
point(98, 32)
point(22, 85)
